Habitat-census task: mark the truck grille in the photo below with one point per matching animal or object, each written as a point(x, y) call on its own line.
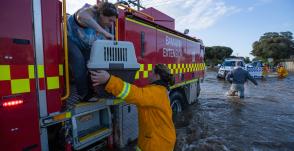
point(115, 54)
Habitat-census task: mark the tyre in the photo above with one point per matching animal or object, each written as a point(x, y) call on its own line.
point(177, 102)
point(198, 89)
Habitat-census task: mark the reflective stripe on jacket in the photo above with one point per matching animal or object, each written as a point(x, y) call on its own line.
point(156, 128)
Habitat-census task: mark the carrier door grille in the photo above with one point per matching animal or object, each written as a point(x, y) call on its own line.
point(115, 54)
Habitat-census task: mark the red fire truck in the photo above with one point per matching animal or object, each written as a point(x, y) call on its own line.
point(34, 81)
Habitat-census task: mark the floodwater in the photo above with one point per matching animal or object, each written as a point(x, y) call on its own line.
point(262, 121)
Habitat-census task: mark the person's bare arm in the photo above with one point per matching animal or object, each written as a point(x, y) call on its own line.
point(86, 17)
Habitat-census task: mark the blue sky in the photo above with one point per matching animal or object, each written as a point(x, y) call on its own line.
point(233, 23)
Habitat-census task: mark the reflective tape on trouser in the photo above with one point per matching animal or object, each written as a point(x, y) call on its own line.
point(125, 91)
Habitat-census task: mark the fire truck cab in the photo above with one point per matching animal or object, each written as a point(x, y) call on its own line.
point(34, 81)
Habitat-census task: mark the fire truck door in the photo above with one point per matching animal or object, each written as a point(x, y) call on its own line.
point(19, 129)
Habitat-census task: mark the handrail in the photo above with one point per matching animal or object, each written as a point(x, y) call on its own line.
point(65, 51)
point(116, 29)
point(133, 10)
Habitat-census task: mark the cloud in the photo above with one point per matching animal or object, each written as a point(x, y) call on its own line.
point(250, 9)
point(265, 1)
point(73, 5)
point(257, 4)
point(192, 14)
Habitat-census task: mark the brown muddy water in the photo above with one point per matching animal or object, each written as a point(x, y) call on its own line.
point(262, 121)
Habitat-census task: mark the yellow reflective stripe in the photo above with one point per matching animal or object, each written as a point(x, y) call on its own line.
point(125, 91)
point(145, 74)
point(40, 71)
point(137, 75)
point(174, 69)
point(52, 83)
point(20, 86)
point(138, 149)
point(68, 114)
point(31, 71)
point(141, 67)
point(174, 66)
point(149, 67)
point(60, 70)
point(122, 91)
point(140, 23)
point(170, 68)
point(5, 72)
point(117, 101)
point(183, 83)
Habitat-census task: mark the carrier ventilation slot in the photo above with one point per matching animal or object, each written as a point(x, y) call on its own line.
point(115, 54)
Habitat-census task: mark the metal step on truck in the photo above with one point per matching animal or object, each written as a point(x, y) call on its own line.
point(35, 87)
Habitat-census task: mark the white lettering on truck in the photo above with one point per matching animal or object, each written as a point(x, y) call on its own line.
point(175, 51)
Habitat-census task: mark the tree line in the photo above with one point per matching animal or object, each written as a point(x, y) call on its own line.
point(273, 45)
point(216, 54)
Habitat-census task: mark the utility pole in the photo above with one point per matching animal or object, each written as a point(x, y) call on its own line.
point(136, 3)
point(138, 6)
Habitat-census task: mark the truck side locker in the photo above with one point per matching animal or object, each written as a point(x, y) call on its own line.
point(91, 122)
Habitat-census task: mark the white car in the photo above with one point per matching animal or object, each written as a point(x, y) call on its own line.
point(227, 66)
point(255, 69)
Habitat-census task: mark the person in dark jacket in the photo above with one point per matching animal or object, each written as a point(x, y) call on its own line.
point(238, 77)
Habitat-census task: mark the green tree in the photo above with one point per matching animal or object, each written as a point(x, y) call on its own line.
point(216, 54)
point(247, 60)
point(274, 45)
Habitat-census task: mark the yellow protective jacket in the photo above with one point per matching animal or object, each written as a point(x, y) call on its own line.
point(156, 128)
point(282, 72)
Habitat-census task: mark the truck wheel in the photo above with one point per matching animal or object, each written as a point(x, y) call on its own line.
point(177, 102)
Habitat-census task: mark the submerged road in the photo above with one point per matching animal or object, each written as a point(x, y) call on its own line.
point(262, 121)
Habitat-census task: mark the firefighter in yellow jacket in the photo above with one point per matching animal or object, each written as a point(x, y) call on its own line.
point(156, 128)
point(282, 72)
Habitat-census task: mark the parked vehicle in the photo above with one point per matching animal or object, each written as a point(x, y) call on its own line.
point(227, 66)
point(255, 69)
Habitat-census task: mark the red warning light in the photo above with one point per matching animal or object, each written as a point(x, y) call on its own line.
point(12, 103)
